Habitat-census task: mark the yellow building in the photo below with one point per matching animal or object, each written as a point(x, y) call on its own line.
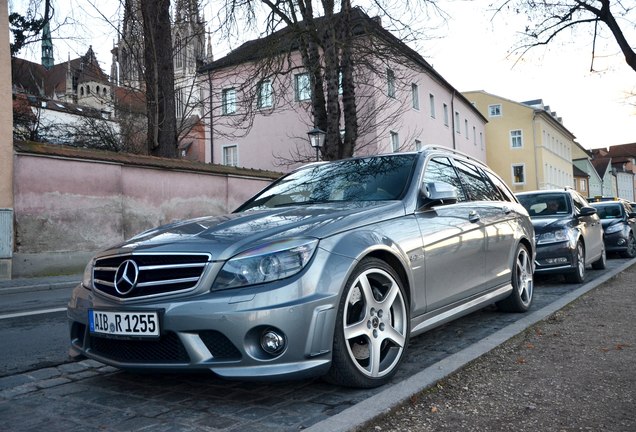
point(526, 143)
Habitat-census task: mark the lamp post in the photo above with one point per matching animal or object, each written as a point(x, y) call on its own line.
point(316, 139)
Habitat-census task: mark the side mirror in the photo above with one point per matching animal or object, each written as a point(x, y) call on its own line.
point(439, 191)
point(587, 211)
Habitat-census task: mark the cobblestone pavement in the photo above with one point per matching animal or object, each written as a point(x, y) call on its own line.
point(87, 395)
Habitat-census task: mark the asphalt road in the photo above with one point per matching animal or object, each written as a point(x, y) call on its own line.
point(33, 329)
point(80, 396)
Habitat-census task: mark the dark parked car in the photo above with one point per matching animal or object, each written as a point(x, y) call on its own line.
point(568, 232)
point(328, 271)
point(618, 220)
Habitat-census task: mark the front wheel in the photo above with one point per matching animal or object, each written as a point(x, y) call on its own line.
point(578, 275)
point(372, 327)
point(520, 298)
point(631, 247)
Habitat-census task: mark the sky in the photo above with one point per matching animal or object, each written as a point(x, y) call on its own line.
point(471, 51)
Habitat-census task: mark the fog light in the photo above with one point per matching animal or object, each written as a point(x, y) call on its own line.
point(272, 342)
point(621, 242)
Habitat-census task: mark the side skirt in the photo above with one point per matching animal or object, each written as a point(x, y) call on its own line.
point(436, 318)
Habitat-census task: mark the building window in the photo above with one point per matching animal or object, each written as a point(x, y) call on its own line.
point(416, 97)
point(481, 140)
point(395, 141)
point(431, 101)
point(445, 115)
point(494, 110)
point(474, 135)
point(303, 87)
point(179, 108)
point(265, 94)
point(583, 185)
point(228, 101)
point(516, 139)
point(457, 125)
point(390, 82)
point(518, 174)
point(418, 145)
point(466, 128)
point(230, 155)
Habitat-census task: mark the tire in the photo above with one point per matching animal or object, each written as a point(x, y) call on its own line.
point(521, 296)
point(600, 263)
point(631, 247)
point(578, 274)
point(372, 327)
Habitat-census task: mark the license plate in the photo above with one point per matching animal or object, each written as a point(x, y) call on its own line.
point(143, 324)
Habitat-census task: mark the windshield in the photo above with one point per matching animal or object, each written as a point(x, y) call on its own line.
point(609, 211)
point(546, 204)
point(376, 178)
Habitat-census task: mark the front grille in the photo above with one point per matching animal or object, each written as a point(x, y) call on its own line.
point(219, 345)
point(157, 274)
point(167, 349)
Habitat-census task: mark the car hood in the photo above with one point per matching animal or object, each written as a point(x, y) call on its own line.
point(547, 224)
point(225, 236)
point(607, 222)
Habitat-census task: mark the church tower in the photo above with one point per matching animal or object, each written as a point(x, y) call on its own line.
point(47, 42)
point(188, 36)
point(128, 54)
point(189, 42)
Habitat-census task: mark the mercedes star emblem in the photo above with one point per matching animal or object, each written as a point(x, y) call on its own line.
point(126, 277)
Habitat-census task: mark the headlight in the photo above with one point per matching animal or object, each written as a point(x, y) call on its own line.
point(613, 228)
point(554, 236)
point(87, 278)
point(266, 263)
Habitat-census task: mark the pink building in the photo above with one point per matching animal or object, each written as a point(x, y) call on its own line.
point(260, 115)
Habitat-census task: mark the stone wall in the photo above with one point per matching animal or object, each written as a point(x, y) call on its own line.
point(69, 203)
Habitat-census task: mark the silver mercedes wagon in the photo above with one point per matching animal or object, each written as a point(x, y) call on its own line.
point(328, 271)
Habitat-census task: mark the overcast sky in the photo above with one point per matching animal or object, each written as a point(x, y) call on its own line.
point(471, 52)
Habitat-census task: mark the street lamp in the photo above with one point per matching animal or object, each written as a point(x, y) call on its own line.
point(316, 139)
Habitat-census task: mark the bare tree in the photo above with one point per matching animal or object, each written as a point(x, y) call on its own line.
point(551, 19)
point(159, 78)
point(338, 55)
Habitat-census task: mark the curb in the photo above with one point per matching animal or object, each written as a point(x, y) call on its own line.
point(390, 398)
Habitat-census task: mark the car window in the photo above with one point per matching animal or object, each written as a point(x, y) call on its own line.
point(546, 204)
point(440, 169)
point(363, 179)
point(503, 189)
point(579, 202)
point(609, 211)
point(477, 186)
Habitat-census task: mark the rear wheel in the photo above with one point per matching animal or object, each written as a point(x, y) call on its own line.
point(578, 275)
point(372, 327)
point(520, 298)
point(631, 247)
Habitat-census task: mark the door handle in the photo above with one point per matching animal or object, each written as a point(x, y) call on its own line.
point(473, 216)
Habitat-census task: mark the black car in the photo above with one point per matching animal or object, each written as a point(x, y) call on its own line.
point(618, 219)
point(568, 233)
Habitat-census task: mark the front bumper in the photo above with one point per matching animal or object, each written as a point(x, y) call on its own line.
point(616, 242)
point(556, 258)
point(221, 331)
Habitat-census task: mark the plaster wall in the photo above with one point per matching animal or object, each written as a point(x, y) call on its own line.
point(66, 209)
